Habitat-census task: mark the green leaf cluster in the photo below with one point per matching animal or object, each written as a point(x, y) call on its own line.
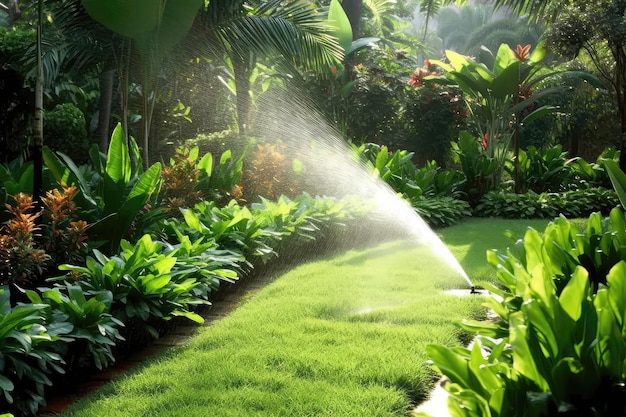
point(116, 191)
point(28, 355)
point(558, 345)
point(572, 204)
point(436, 194)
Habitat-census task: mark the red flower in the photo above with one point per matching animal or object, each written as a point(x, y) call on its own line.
point(334, 71)
point(485, 141)
point(522, 53)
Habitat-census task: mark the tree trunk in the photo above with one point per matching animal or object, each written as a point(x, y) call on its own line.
point(619, 53)
point(104, 109)
point(38, 119)
point(353, 11)
point(13, 10)
point(241, 69)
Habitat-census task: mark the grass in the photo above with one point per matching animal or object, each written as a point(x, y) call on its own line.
point(470, 240)
point(344, 336)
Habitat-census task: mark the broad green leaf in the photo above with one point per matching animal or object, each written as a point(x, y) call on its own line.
point(538, 54)
point(174, 19)
point(504, 59)
point(118, 159)
point(192, 220)
point(191, 316)
point(359, 44)
point(6, 385)
point(206, 164)
point(339, 21)
point(523, 361)
point(126, 17)
point(451, 364)
point(618, 178)
point(540, 112)
point(155, 284)
point(76, 294)
point(146, 185)
point(574, 293)
point(616, 280)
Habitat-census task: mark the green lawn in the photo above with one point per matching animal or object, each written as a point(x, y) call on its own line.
point(344, 336)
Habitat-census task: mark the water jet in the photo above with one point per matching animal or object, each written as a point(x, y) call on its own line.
point(332, 169)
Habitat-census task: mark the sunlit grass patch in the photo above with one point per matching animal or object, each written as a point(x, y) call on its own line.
point(341, 336)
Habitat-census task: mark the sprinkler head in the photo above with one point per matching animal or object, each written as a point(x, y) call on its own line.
point(473, 290)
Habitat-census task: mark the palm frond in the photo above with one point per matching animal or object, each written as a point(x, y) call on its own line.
point(536, 10)
point(297, 30)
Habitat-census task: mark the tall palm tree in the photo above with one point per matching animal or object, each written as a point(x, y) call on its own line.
point(295, 32)
point(455, 24)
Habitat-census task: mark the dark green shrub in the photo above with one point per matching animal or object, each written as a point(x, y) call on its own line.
point(540, 170)
point(441, 211)
point(82, 323)
point(65, 131)
point(577, 203)
point(28, 356)
point(436, 115)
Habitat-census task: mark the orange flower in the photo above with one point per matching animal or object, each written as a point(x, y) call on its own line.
point(522, 52)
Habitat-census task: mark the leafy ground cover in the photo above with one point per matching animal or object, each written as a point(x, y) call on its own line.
point(342, 336)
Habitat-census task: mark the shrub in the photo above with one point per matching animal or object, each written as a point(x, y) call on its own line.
point(558, 345)
point(433, 192)
point(142, 283)
point(563, 354)
point(27, 356)
point(66, 132)
point(540, 170)
point(270, 173)
point(82, 323)
point(441, 211)
point(33, 243)
point(578, 203)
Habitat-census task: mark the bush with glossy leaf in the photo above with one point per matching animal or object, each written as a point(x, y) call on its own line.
point(563, 354)
point(576, 203)
point(28, 356)
point(143, 282)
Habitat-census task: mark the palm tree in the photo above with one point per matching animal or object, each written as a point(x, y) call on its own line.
point(454, 25)
point(294, 32)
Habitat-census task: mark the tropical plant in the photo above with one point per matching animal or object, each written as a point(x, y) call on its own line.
point(144, 288)
point(27, 356)
point(477, 166)
point(82, 322)
point(270, 173)
point(563, 353)
point(540, 170)
point(296, 33)
point(501, 98)
point(118, 192)
point(22, 261)
point(572, 204)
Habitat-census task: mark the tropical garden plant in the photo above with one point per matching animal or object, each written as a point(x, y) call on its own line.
point(502, 84)
point(557, 346)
